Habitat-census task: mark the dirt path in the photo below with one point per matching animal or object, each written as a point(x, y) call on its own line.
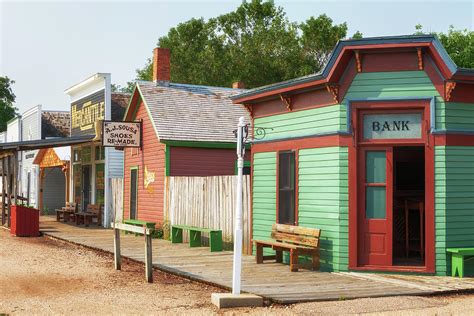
point(44, 276)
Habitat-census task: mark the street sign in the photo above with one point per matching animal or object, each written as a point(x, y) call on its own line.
point(121, 134)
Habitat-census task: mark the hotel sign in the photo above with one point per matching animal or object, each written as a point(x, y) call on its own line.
point(121, 134)
point(392, 126)
point(85, 112)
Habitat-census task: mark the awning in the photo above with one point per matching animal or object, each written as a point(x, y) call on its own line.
point(45, 143)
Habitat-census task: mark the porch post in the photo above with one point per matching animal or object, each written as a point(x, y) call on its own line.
point(9, 189)
point(15, 176)
point(4, 195)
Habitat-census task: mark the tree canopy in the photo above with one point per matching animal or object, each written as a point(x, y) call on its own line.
point(258, 45)
point(458, 43)
point(255, 44)
point(7, 97)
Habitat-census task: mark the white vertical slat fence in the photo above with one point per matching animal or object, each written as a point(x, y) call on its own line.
point(207, 202)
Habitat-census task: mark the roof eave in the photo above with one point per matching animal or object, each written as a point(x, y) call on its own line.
point(276, 88)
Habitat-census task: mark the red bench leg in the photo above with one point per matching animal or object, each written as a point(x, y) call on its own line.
point(315, 260)
point(279, 256)
point(259, 253)
point(293, 260)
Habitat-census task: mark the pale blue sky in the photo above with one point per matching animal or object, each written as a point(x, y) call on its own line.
point(48, 46)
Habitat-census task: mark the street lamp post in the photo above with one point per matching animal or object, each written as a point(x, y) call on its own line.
point(237, 268)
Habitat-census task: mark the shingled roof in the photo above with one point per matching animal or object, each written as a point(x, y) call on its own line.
point(55, 124)
point(183, 112)
point(119, 102)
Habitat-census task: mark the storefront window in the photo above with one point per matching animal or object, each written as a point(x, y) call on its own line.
point(76, 155)
point(99, 153)
point(286, 188)
point(77, 169)
point(86, 154)
point(99, 183)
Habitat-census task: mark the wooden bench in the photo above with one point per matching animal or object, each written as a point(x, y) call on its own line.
point(140, 223)
point(457, 259)
point(66, 212)
point(92, 211)
point(299, 241)
point(215, 236)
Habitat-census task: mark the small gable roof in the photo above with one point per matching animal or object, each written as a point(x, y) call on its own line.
point(340, 58)
point(183, 112)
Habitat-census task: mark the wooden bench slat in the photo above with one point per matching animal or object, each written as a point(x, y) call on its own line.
point(296, 239)
point(297, 230)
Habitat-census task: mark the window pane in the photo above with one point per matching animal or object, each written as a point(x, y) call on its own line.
point(286, 197)
point(286, 207)
point(375, 167)
point(133, 193)
point(375, 205)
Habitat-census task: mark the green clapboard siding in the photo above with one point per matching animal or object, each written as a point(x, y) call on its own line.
point(263, 194)
point(323, 201)
point(401, 84)
point(454, 203)
point(303, 123)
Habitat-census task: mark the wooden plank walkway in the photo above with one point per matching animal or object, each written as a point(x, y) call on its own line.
point(271, 280)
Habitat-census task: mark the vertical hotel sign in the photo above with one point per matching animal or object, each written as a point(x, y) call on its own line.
point(86, 112)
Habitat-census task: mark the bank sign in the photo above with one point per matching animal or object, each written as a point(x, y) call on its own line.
point(85, 112)
point(392, 126)
point(121, 134)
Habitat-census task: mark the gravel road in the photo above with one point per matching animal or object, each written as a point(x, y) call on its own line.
point(45, 276)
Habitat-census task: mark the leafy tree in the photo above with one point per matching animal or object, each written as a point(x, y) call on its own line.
point(256, 44)
point(7, 97)
point(458, 43)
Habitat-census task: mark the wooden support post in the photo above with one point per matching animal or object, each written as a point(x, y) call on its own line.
point(148, 253)
point(15, 177)
point(117, 256)
point(148, 259)
point(4, 194)
point(9, 190)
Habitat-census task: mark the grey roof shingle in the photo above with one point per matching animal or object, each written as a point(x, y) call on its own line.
point(192, 113)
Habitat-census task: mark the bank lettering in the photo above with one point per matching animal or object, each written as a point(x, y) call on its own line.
point(390, 126)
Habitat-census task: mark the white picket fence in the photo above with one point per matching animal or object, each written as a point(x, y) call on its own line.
point(208, 202)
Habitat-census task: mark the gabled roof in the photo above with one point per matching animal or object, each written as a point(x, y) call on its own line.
point(55, 124)
point(430, 42)
point(183, 112)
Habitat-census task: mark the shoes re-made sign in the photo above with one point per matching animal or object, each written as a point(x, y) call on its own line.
point(121, 134)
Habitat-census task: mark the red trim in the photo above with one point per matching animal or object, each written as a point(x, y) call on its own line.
point(428, 141)
point(297, 172)
point(454, 140)
point(251, 204)
point(303, 143)
point(394, 269)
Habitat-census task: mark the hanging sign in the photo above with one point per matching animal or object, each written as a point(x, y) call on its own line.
point(121, 134)
point(392, 126)
point(85, 112)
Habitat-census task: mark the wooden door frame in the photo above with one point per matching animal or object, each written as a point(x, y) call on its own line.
point(361, 184)
point(427, 140)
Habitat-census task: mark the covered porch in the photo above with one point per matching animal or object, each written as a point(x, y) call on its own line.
point(273, 281)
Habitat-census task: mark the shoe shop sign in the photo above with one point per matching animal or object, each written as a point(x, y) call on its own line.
point(121, 134)
point(392, 126)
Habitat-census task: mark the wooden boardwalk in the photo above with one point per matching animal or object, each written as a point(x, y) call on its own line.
point(271, 280)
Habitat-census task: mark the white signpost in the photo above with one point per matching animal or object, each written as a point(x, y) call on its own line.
point(236, 299)
point(121, 134)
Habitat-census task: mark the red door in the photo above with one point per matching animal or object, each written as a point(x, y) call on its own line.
point(375, 208)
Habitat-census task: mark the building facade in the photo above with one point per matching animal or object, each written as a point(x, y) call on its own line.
point(187, 130)
point(93, 166)
point(377, 151)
